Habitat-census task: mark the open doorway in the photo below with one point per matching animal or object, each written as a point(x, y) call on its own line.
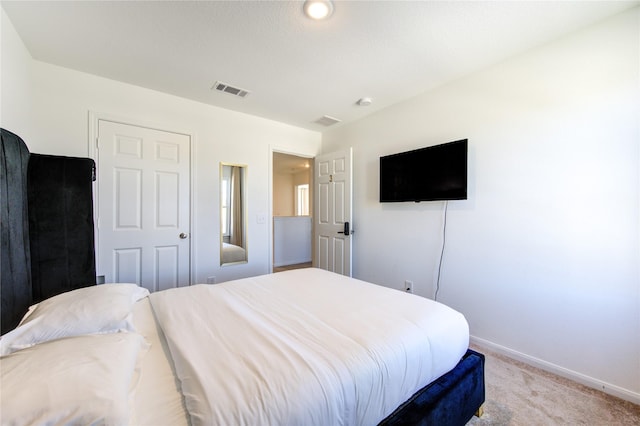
point(292, 209)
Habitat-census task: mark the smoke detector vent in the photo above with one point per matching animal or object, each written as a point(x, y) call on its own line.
point(325, 120)
point(236, 91)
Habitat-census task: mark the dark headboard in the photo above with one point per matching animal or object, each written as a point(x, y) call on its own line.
point(46, 227)
point(15, 266)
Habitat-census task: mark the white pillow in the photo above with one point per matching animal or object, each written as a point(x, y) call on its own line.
point(105, 308)
point(78, 380)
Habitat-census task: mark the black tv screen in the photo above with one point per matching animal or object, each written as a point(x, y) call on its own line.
point(433, 173)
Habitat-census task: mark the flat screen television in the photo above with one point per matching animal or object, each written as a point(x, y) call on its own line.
point(433, 173)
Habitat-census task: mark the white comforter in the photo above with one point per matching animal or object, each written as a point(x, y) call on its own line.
point(304, 347)
point(232, 253)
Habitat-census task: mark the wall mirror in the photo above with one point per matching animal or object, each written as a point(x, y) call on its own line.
point(233, 218)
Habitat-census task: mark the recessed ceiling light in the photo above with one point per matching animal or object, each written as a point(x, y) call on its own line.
point(318, 9)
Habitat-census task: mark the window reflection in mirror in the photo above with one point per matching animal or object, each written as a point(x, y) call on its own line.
point(233, 229)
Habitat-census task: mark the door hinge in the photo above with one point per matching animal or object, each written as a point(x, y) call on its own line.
point(330, 178)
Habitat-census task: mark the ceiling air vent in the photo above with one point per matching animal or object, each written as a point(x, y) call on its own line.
point(325, 120)
point(224, 87)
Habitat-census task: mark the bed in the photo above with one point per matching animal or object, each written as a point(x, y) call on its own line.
point(232, 253)
point(275, 349)
point(298, 347)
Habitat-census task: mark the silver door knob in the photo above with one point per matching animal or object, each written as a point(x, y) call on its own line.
point(183, 235)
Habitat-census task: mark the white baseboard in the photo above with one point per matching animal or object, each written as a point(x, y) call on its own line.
point(605, 387)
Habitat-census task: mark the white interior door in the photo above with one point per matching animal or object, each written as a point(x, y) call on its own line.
point(143, 206)
point(332, 211)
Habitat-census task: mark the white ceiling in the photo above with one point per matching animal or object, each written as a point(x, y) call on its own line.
point(289, 164)
point(296, 69)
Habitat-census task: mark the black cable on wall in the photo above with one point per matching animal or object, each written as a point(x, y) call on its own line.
point(444, 240)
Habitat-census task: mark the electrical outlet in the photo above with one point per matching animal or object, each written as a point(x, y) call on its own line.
point(211, 280)
point(408, 286)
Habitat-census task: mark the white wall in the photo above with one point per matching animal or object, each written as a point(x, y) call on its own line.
point(302, 178)
point(283, 194)
point(543, 257)
point(284, 187)
point(48, 106)
point(15, 72)
point(291, 240)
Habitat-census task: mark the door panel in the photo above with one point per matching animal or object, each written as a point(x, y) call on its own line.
point(323, 253)
point(333, 209)
point(339, 203)
point(167, 267)
point(128, 265)
point(167, 198)
point(128, 198)
point(339, 264)
point(143, 206)
point(323, 191)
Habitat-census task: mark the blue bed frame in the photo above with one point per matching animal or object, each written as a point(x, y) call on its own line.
point(451, 400)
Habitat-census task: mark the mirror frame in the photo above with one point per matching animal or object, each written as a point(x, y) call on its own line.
point(243, 195)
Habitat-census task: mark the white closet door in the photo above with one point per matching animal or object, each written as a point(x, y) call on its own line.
point(143, 206)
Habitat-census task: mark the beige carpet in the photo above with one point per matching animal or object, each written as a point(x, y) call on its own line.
point(518, 394)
